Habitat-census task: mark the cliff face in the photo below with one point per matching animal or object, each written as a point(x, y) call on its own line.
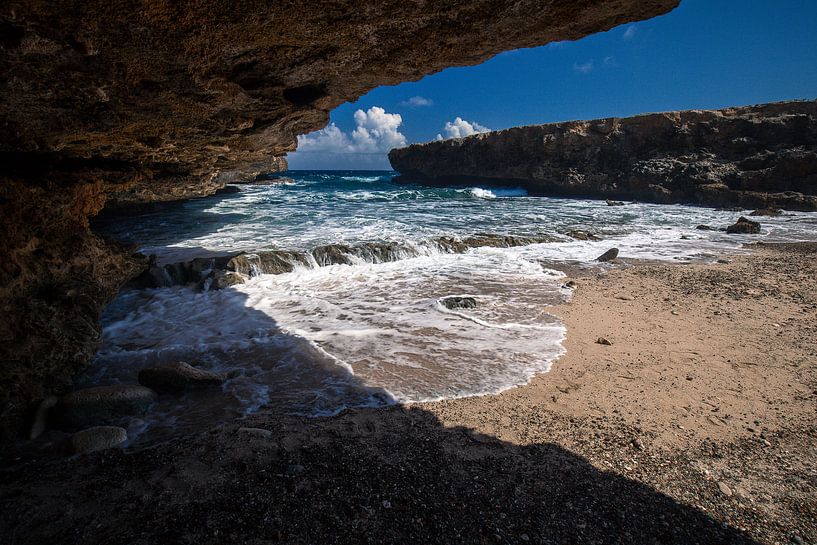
point(128, 101)
point(755, 156)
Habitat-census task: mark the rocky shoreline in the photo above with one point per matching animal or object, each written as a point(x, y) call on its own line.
point(680, 430)
point(161, 102)
point(753, 157)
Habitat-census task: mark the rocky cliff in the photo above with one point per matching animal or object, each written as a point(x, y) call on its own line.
point(755, 156)
point(132, 101)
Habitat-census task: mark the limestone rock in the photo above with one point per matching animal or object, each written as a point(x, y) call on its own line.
point(117, 107)
point(744, 226)
point(178, 376)
point(101, 404)
point(97, 438)
point(753, 157)
point(767, 212)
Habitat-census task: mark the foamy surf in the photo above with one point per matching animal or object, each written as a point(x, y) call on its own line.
point(352, 316)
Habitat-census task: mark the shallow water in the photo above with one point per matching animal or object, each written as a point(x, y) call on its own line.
point(320, 339)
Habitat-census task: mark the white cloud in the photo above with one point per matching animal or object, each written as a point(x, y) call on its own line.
point(417, 102)
point(629, 33)
point(460, 127)
point(610, 61)
point(376, 132)
point(583, 68)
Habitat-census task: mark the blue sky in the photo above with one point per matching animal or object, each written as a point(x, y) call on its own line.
point(705, 54)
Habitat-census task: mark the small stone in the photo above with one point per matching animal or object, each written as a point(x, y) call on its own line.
point(602, 340)
point(256, 432)
point(724, 261)
point(570, 284)
point(674, 312)
point(614, 203)
point(609, 255)
point(637, 444)
point(625, 297)
point(178, 376)
point(742, 493)
point(386, 504)
point(525, 537)
point(725, 490)
point(458, 302)
point(797, 540)
point(295, 469)
point(97, 438)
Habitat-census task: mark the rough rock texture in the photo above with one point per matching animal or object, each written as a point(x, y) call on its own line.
point(148, 101)
point(97, 438)
point(100, 404)
point(755, 157)
point(175, 377)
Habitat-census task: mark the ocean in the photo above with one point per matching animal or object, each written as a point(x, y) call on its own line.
point(374, 330)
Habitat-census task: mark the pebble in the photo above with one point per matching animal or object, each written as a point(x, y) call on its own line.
point(625, 297)
point(571, 285)
point(602, 340)
point(674, 312)
point(797, 540)
point(725, 490)
point(637, 443)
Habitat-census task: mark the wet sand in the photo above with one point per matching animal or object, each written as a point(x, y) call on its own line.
point(697, 424)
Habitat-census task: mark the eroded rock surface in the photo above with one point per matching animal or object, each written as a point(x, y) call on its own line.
point(131, 102)
point(754, 157)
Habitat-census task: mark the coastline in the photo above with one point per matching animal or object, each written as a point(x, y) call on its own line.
point(697, 424)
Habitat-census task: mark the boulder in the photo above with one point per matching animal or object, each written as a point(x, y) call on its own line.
point(744, 226)
point(89, 406)
point(225, 279)
point(178, 376)
point(767, 212)
point(609, 255)
point(97, 438)
point(459, 302)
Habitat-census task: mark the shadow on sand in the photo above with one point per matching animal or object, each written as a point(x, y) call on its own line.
point(389, 475)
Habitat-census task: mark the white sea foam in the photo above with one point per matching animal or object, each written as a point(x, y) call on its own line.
point(494, 193)
point(321, 339)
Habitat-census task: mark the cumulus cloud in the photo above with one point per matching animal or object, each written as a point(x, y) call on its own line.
point(583, 68)
point(417, 102)
point(460, 127)
point(376, 132)
point(629, 33)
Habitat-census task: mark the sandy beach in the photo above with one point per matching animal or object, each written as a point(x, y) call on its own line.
point(696, 424)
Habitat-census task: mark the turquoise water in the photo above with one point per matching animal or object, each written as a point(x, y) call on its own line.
point(319, 340)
